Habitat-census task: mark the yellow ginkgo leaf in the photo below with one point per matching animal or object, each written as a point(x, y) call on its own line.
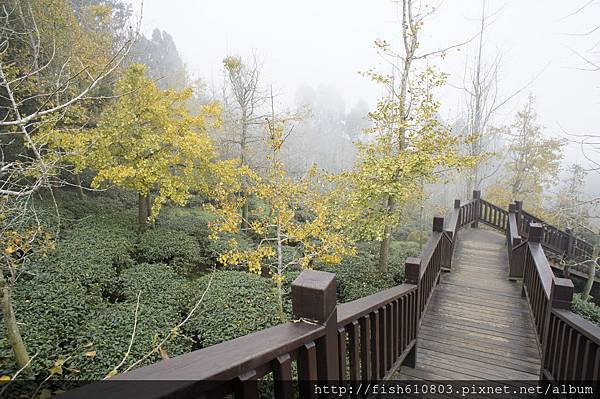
point(112, 373)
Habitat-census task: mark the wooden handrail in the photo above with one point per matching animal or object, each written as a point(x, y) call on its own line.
point(542, 267)
point(361, 340)
point(366, 339)
point(352, 311)
point(569, 344)
point(215, 368)
point(556, 240)
point(588, 329)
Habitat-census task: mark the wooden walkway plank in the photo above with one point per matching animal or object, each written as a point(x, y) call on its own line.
point(476, 325)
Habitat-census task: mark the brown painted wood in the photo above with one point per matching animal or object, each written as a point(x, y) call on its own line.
point(354, 350)
point(375, 346)
point(307, 369)
point(365, 348)
point(342, 354)
point(477, 325)
point(282, 377)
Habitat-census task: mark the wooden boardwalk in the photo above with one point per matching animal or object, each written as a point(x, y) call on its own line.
point(476, 326)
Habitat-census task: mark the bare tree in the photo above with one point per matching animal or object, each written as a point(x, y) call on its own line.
point(38, 87)
point(483, 101)
point(244, 85)
point(399, 86)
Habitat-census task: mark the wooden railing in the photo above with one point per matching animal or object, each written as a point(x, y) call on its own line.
point(554, 240)
point(367, 339)
point(363, 340)
point(569, 344)
point(493, 215)
point(378, 334)
point(572, 348)
point(517, 246)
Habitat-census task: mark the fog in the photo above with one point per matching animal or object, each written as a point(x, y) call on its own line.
point(327, 43)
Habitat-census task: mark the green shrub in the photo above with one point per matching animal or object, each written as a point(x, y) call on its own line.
point(418, 236)
point(194, 222)
point(357, 276)
point(91, 254)
point(61, 320)
point(52, 312)
point(236, 304)
point(400, 250)
point(586, 309)
point(172, 247)
point(73, 209)
point(163, 301)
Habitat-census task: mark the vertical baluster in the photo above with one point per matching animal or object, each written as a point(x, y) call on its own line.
point(409, 322)
point(383, 340)
point(282, 377)
point(577, 356)
point(404, 327)
point(246, 386)
point(555, 322)
point(365, 348)
point(342, 353)
point(568, 353)
point(375, 348)
point(585, 370)
point(596, 367)
point(307, 369)
point(354, 343)
point(389, 343)
point(395, 334)
point(555, 354)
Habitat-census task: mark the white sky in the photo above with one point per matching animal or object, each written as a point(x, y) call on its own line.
point(327, 42)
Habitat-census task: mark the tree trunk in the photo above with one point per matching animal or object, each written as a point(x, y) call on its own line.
point(142, 212)
point(148, 206)
point(280, 275)
point(245, 209)
point(384, 248)
point(589, 284)
point(567, 271)
point(243, 161)
point(12, 328)
point(80, 192)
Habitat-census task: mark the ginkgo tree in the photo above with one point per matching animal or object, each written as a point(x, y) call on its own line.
point(149, 141)
point(410, 146)
point(285, 239)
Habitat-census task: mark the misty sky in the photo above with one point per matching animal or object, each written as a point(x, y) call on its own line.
point(327, 42)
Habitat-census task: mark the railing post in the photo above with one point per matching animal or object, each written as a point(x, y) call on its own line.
point(456, 203)
point(570, 242)
point(412, 272)
point(511, 209)
point(477, 208)
point(561, 296)
point(314, 298)
point(438, 226)
point(518, 211)
point(536, 232)
point(514, 272)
